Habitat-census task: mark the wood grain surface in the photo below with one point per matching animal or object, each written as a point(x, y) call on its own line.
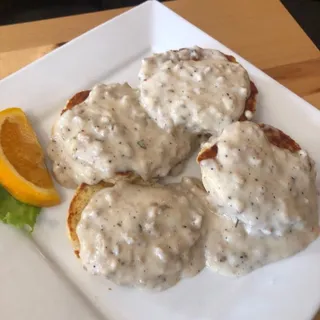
point(278, 45)
point(263, 32)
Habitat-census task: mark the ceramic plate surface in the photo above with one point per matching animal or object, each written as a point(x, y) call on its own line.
point(40, 277)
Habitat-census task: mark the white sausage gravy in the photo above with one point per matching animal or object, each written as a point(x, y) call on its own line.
point(265, 200)
point(267, 188)
point(232, 250)
point(144, 235)
point(111, 133)
point(196, 88)
point(151, 236)
point(260, 205)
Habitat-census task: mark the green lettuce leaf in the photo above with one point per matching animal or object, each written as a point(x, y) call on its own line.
point(16, 213)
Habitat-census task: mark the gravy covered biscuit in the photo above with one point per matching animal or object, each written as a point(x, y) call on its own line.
point(107, 133)
point(142, 235)
point(262, 188)
point(266, 186)
point(202, 90)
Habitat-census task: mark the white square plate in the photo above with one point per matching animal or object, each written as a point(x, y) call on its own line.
point(40, 277)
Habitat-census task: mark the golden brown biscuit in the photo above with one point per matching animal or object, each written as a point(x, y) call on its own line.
point(79, 201)
point(78, 98)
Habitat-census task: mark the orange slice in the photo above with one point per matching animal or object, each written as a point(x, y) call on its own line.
point(22, 169)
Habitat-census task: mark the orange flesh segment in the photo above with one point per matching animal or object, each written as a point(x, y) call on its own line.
point(22, 169)
point(21, 148)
